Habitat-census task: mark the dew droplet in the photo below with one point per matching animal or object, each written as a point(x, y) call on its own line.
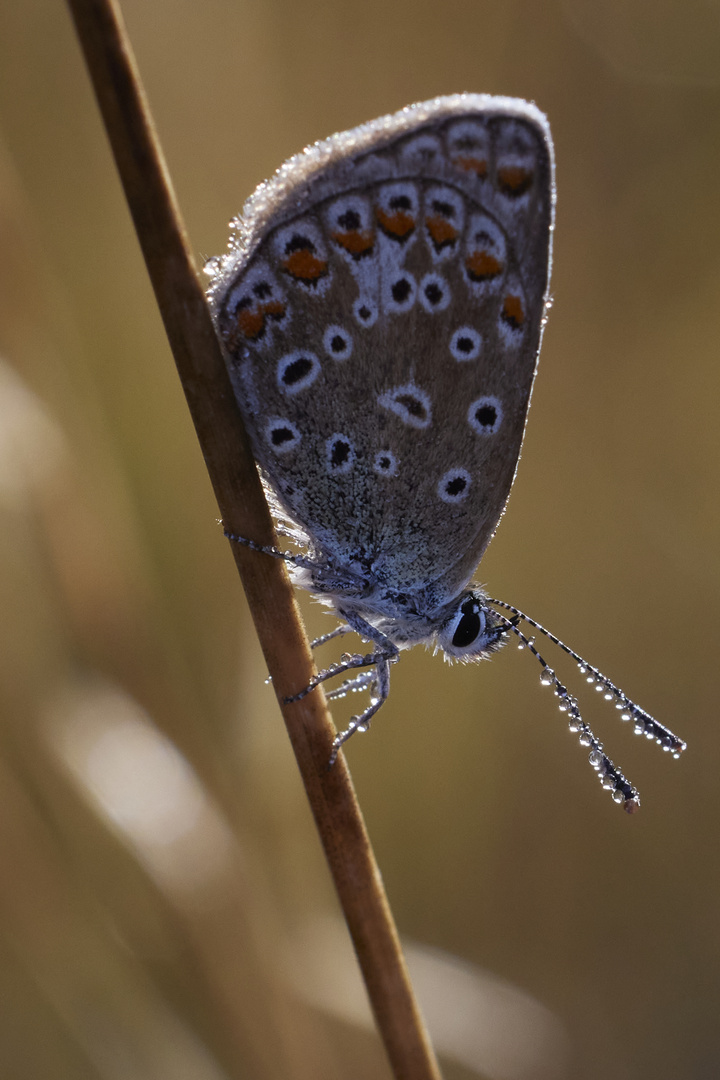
point(585, 739)
point(617, 796)
point(626, 715)
point(608, 782)
point(595, 759)
point(608, 695)
point(547, 677)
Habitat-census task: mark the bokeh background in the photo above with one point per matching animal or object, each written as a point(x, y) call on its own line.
point(165, 910)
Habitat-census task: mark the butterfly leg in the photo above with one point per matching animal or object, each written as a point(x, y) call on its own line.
point(352, 686)
point(347, 662)
point(343, 628)
point(378, 679)
point(287, 556)
point(381, 681)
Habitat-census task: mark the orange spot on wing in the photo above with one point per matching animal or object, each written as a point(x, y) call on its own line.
point(355, 242)
point(514, 179)
point(481, 266)
point(442, 232)
point(274, 309)
point(304, 266)
point(513, 312)
point(399, 224)
point(250, 322)
point(472, 164)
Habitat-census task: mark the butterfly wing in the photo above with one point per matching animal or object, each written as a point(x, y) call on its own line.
point(382, 311)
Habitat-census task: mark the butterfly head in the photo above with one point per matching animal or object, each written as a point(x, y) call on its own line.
point(471, 630)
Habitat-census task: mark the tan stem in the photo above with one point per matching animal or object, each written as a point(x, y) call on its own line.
point(244, 511)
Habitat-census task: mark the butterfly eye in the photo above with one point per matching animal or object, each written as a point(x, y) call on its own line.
point(470, 630)
point(470, 625)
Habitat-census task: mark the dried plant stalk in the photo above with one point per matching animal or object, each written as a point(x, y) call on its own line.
point(244, 511)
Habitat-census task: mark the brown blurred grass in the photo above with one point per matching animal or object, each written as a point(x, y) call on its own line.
point(146, 897)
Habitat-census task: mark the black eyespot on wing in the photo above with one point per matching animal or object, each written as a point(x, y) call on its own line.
point(444, 208)
point(281, 435)
point(413, 405)
point(297, 370)
point(400, 290)
point(349, 220)
point(456, 485)
point(385, 463)
point(298, 242)
point(340, 454)
point(486, 415)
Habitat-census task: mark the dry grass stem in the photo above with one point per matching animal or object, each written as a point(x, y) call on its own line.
point(244, 511)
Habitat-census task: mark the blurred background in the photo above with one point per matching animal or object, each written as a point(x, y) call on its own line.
point(165, 909)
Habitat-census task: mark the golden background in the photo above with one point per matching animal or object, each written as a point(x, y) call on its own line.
point(165, 911)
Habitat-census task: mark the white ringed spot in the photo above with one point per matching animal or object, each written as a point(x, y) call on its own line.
point(399, 292)
point(454, 486)
point(297, 370)
point(282, 435)
point(397, 211)
point(469, 147)
point(485, 415)
point(339, 454)
point(465, 344)
point(302, 256)
point(434, 293)
point(516, 154)
point(365, 311)
point(485, 256)
point(338, 343)
point(410, 403)
point(422, 149)
point(350, 224)
point(385, 463)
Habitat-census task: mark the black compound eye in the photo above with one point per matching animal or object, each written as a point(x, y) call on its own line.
point(469, 627)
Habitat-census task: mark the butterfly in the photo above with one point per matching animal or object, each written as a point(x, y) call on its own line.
point(381, 308)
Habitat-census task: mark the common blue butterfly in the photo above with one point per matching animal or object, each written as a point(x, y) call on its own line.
point(381, 308)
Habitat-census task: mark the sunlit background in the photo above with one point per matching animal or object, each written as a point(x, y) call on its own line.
point(165, 910)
